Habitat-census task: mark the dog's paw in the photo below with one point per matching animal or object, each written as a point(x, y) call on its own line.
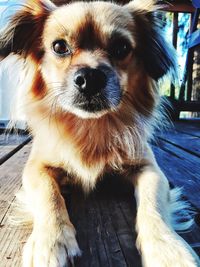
point(168, 252)
point(51, 247)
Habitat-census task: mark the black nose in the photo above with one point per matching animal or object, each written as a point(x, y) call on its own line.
point(90, 81)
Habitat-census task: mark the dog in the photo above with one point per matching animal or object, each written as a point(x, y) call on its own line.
point(92, 72)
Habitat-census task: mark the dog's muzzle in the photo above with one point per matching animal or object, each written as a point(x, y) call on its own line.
point(98, 88)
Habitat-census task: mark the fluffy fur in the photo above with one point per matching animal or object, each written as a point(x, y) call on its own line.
point(81, 137)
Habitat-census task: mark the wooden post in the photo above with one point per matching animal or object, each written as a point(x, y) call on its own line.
point(191, 54)
point(174, 41)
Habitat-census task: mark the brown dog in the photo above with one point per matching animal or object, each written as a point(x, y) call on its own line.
point(90, 93)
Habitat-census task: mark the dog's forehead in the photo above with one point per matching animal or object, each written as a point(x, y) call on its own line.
point(96, 18)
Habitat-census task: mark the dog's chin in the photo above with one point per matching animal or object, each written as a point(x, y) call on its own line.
point(83, 114)
point(89, 110)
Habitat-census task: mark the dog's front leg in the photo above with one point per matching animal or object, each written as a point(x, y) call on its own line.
point(158, 243)
point(52, 242)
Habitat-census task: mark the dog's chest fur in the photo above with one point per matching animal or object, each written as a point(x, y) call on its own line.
point(87, 149)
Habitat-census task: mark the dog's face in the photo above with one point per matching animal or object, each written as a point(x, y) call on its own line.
point(88, 50)
point(91, 57)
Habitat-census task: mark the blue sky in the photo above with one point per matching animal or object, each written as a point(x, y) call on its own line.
point(7, 8)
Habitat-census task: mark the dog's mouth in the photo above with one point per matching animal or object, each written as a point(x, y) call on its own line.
point(92, 104)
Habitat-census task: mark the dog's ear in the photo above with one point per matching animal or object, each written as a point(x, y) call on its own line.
point(23, 32)
point(157, 55)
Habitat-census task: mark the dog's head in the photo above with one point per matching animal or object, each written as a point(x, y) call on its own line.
point(93, 58)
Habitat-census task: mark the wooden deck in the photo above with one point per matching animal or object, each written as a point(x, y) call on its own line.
point(105, 219)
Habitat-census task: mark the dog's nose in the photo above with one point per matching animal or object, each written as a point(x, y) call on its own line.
point(90, 81)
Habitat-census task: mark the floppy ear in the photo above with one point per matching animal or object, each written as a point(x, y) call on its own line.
point(157, 55)
point(23, 32)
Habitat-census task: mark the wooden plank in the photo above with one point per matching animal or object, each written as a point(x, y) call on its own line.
point(174, 42)
point(12, 238)
point(10, 182)
point(4, 150)
point(181, 104)
point(190, 78)
point(124, 230)
point(192, 128)
point(178, 153)
point(104, 235)
point(187, 142)
point(190, 55)
point(14, 150)
point(111, 212)
point(85, 217)
point(183, 170)
point(180, 171)
point(183, 8)
point(111, 242)
point(10, 144)
point(12, 139)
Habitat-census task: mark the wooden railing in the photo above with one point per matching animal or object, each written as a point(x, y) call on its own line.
point(185, 101)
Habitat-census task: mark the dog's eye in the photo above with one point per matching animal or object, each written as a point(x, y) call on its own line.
point(61, 48)
point(120, 49)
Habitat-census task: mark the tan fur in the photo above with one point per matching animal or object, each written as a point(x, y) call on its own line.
point(82, 145)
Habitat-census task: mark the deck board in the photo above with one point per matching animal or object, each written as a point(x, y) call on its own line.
point(184, 141)
point(109, 236)
point(191, 127)
point(10, 144)
point(10, 178)
point(105, 219)
point(12, 238)
point(183, 135)
point(180, 173)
